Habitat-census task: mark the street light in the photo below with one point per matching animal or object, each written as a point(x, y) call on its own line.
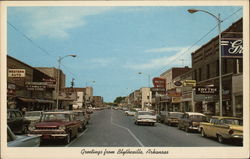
point(148, 78)
point(219, 21)
point(58, 76)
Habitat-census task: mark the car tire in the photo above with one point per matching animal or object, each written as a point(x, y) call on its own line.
point(220, 139)
point(203, 134)
point(68, 138)
point(136, 123)
point(153, 124)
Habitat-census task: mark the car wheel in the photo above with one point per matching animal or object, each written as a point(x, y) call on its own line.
point(25, 129)
point(68, 138)
point(136, 123)
point(220, 139)
point(203, 133)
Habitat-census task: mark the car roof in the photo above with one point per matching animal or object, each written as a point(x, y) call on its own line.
point(226, 117)
point(194, 113)
point(59, 112)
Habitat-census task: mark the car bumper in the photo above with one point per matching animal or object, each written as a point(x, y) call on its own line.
point(50, 136)
point(146, 121)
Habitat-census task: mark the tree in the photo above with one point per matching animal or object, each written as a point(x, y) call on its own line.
point(119, 99)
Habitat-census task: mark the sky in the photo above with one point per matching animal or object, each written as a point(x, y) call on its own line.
point(112, 44)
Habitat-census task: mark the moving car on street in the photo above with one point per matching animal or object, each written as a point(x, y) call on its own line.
point(21, 140)
point(33, 116)
point(130, 113)
point(80, 116)
point(172, 118)
point(145, 117)
point(223, 128)
point(16, 121)
point(56, 125)
point(191, 121)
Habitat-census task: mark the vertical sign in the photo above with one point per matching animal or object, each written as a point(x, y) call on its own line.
point(232, 48)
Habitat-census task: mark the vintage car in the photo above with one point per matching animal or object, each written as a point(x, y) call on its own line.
point(145, 117)
point(223, 128)
point(16, 121)
point(161, 116)
point(81, 117)
point(33, 116)
point(56, 125)
point(191, 121)
point(21, 140)
point(130, 113)
point(172, 118)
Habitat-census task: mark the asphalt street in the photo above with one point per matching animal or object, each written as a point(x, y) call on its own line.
point(112, 128)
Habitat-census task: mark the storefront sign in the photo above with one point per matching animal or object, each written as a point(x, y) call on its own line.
point(51, 83)
point(158, 89)
point(159, 82)
point(207, 90)
point(176, 99)
point(232, 48)
point(16, 72)
point(189, 83)
point(178, 83)
point(36, 86)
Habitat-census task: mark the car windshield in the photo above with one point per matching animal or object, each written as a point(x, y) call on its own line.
point(145, 113)
point(29, 114)
point(233, 121)
point(198, 117)
point(56, 117)
point(176, 115)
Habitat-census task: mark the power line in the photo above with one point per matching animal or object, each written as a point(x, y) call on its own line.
point(199, 40)
point(30, 40)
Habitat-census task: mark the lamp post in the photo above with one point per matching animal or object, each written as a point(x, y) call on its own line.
point(58, 77)
point(148, 78)
point(219, 21)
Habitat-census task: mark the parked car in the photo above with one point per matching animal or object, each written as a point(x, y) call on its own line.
point(80, 116)
point(16, 121)
point(223, 128)
point(21, 140)
point(172, 118)
point(56, 125)
point(145, 117)
point(191, 121)
point(33, 116)
point(161, 116)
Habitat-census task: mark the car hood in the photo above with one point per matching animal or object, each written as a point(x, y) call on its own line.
point(32, 118)
point(50, 124)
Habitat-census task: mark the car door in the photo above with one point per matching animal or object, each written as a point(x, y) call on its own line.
point(19, 121)
point(74, 125)
point(209, 127)
point(11, 121)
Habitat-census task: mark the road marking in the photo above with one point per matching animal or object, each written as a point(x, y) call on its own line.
point(77, 138)
point(131, 133)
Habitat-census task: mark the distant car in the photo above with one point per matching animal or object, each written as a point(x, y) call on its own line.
point(56, 125)
point(16, 121)
point(80, 116)
point(125, 108)
point(130, 113)
point(33, 116)
point(21, 140)
point(223, 128)
point(172, 118)
point(145, 117)
point(191, 121)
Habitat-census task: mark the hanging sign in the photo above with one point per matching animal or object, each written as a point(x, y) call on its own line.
point(207, 90)
point(232, 48)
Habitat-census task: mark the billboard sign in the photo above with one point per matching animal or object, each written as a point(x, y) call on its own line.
point(232, 48)
point(16, 72)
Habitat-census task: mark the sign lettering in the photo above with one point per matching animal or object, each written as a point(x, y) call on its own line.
point(232, 48)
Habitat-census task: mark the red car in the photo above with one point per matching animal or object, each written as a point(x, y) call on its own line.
point(56, 125)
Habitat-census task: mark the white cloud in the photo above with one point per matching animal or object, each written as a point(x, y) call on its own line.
point(181, 53)
point(55, 22)
point(165, 49)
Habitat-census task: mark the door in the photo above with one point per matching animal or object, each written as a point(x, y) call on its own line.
point(19, 121)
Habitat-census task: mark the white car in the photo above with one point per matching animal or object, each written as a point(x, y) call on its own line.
point(130, 113)
point(147, 117)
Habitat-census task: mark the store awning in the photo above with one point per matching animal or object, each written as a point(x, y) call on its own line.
point(44, 101)
point(27, 99)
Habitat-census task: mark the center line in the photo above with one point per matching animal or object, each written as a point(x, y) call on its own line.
point(131, 133)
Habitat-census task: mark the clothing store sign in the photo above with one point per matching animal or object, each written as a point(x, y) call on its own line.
point(16, 72)
point(232, 48)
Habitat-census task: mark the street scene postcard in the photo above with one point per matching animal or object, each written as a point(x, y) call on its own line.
point(116, 79)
